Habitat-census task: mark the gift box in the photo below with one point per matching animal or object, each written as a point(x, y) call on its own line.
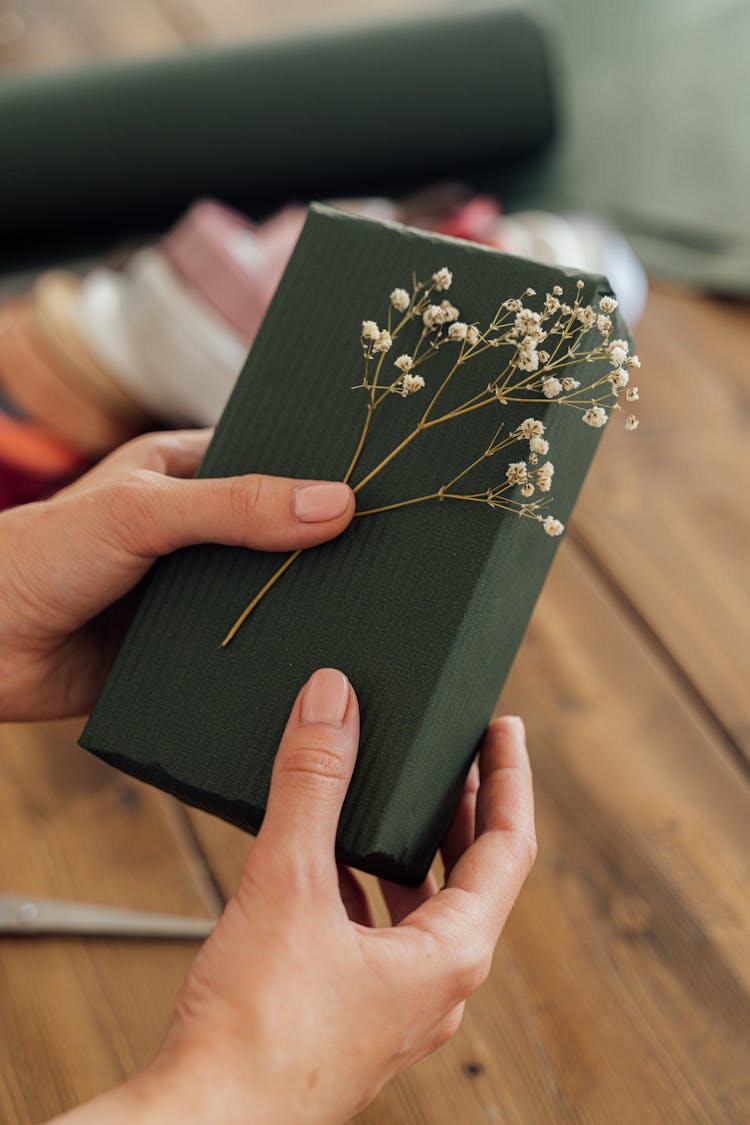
point(423, 605)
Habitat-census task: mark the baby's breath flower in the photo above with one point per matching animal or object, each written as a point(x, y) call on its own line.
point(631, 422)
point(596, 416)
point(551, 387)
point(539, 445)
point(400, 300)
point(544, 476)
point(410, 384)
point(527, 489)
point(383, 342)
point(458, 331)
point(586, 315)
point(617, 351)
point(608, 304)
point(619, 378)
point(528, 358)
point(633, 361)
point(557, 290)
point(370, 330)
point(631, 394)
point(531, 428)
point(517, 472)
point(579, 284)
point(404, 363)
point(604, 324)
point(530, 292)
point(528, 323)
point(434, 316)
point(552, 526)
point(544, 357)
point(570, 384)
point(472, 335)
point(512, 304)
point(551, 303)
point(443, 279)
point(451, 312)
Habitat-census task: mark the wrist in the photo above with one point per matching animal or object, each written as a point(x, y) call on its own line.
point(196, 1089)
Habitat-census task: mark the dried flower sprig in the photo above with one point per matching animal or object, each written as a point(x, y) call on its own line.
point(523, 371)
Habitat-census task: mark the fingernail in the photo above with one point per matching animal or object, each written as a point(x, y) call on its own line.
point(511, 721)
point(325, 698)
point(314, 503)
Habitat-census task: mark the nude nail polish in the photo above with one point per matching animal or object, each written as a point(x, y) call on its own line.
point(325, 698)
point(315, 503)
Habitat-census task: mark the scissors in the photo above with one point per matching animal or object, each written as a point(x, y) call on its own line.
point(30, 915)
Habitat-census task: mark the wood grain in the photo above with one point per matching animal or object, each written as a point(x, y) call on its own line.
point(77, 1016)
point(669, 523)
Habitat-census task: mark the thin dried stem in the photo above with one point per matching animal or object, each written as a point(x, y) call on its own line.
point(258, 597)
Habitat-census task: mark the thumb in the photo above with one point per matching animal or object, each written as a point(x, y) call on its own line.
point(311, 775)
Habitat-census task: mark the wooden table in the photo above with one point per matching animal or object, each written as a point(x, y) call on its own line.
point(620, 988)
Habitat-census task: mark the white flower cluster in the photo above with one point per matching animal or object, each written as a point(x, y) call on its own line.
point(373, 338)
point(437, 315)
point(409, 384)
point(443, 279)
point(596, 416)
point(552, 526)
point(542, 342)
point(400, 300)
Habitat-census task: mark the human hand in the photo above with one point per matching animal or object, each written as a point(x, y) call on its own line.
point(69, 565)
point(297, 1010)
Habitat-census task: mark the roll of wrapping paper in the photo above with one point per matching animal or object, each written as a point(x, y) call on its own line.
point(126, 146)
point(38, 388)
point(98, 315)
point(53, 305)
point(33, 462)
point(218, 255)
point(31, 450)
point(180, 343)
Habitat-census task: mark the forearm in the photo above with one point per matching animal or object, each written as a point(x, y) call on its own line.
point(166, 1093)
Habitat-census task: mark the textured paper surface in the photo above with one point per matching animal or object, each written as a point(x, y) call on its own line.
point(423, 608)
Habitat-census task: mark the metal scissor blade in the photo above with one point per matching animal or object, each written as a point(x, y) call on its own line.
point(27, 914)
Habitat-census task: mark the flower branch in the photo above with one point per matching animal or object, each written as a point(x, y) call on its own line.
point(535, 347)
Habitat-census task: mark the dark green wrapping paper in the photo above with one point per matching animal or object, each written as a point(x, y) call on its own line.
point(124, 147)
point(422, 607)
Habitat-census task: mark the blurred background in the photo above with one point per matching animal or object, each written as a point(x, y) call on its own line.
point(157, 157)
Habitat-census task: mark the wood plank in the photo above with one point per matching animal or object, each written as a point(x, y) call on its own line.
point(85, 1013)
point(203, 21)
point(664, 512)
point(43, 36)
point(621, 987)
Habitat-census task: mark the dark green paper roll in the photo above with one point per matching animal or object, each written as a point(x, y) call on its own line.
point(124, 147)
point(423, 607)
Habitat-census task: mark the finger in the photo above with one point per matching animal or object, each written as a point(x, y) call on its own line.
point(460, 834)
point(466, 917)
point(310, 778)
point(354, 898)
point(176, 453)
point(152, 514)
point(107, 535)
point(401, 900)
